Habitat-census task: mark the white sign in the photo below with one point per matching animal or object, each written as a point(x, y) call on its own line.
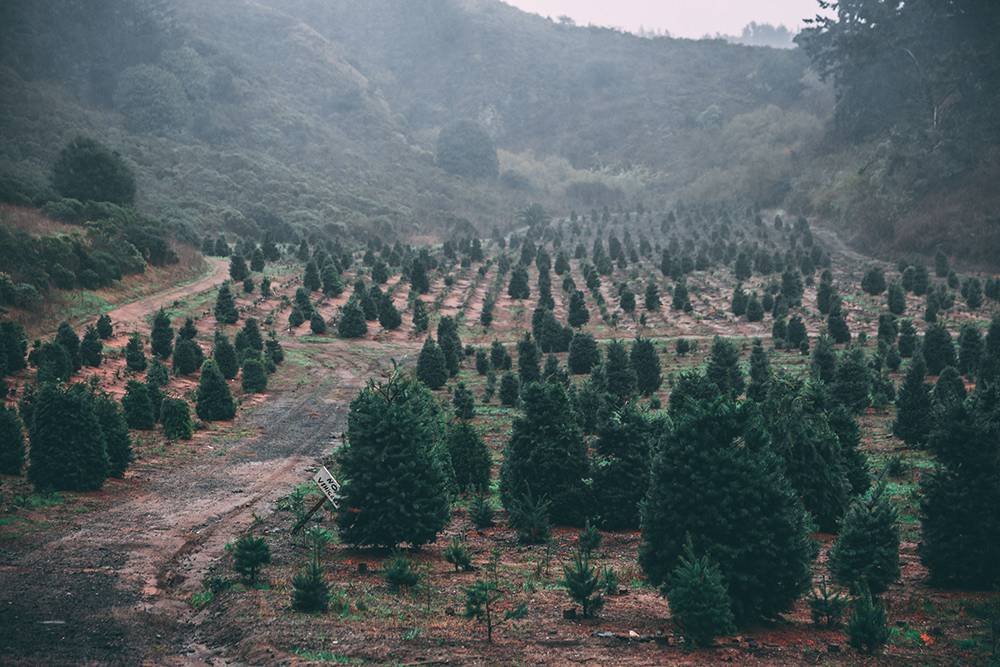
point(328, 485)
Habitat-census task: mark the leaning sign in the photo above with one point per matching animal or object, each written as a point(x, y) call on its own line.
point(328, 485)
point(331, 490)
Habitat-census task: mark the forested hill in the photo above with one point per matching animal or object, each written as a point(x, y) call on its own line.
point(328, 112)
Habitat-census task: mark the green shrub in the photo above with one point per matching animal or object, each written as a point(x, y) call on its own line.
point(867, 629)
point(249, 556)
point(698, 599)
point(399, 572)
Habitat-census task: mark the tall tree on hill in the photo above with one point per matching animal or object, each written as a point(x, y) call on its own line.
point(529, 360)
point(67, 338)
point(724, 367)
point(224, 355)
point(225, 305)
point(578, 313)
point(621, 467)
point(238, 270)
point(138, 407)
point(432, 367)
point(91, 348)
point(352, 320)
point(913, 406)
point(117, 441)
point(646, 363)
point(135, 355)
point(11, 442)
point(214, 400)
point(546, 456)
point(866, 553)
point(394, 489)
point(451, 344)
point(583, 353)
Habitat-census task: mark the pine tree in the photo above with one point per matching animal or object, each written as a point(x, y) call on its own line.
point(225, 305)
point(162, 336)
point(824, 360)
point(352, 320)
point(187, 332)
point(310, 592)
point(11, 442)
point(970, 350)
point(896, 299)
point(451, 344)
point(68, 452)
point(646, 363)
point(867, 628)
point(470, 457)
point(760, 371)
point(873, 281)
point(699, 601)
point(388, 316)
point(626, 300)
point(224, 355)
point(254, 377)
point(53, 362)
point(317, 325)
point(311, 279)
point(583, 582)
point(907, 339)
point(117, 441)
point(652, 296)
point(752, 523)
point(755, 310)
point(849, 435)
point(238, 270)
point(681, 300)
point(250, 554)
point(528, 361)
point(499, 357)
point(464, 402)
point(583, 353)
point(578, 313)
point(620, 376)
point(724, 367)
point(518, 286)
point(176, 418)
point(913, 406)
point(949, 388)
point(214, 400)
point(157, 375)
point(510, 389)
point(104, 327)
point(432, 367)
point(989, 365)
point(91, 348)
point(249, 340)
point(960, 505)
point(138, 407)
point(866, 553)
point(621, 467)
point(937, 349)
point(257, 259)
point(188, 357)
point(67, 338)
point(395, 490)
point(738, 306)
point(421, 319)
point(546, 456)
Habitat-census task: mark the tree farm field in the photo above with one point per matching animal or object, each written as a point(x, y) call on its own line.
point(159, 564)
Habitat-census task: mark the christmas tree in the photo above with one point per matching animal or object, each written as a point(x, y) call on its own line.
point(214, 400)
point(162, 336)
point(68, 452)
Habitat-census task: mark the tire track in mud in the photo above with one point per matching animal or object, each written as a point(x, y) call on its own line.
point(113, 588)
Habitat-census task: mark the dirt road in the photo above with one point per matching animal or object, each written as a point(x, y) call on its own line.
point(131, 313)
point(112, 588)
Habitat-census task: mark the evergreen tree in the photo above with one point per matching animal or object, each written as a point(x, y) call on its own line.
point(254, 377)
point(896, 299)
point(69, 341)
point(332, 284)
point(970, 350)
point(510, 389)
point(852, 384)
point(352, 320)
point(394, 489)
point(317, 325)
point(188, 357)
point(214, 400)
point(470, 457)
point(583, 583)
point(824, 360)
point(752, 523)
point(225, 305)
point(162, 336)
point(646, 363)
point(836, 326)
point(138, 407)
point(724, 367)
point(68, 451)
point(187, 332)
point(249, 340)
point(760, 371)
point(91, 348)
point(824, 297)
point(546, 455)
point(388, 316)
point(432, 368)
point(53, 362)
point(960, 506)
point(310, 592)
point(15, 345)
point(873, 281)
point(176, 418)
point(849, 435)
point(652, 296)
point(451, 344)
point(238, 270)
point(621, 467)
point(619, 375)
point(755, 310)
point(528, 361)
point(907, 339)
point(224, 355)
point(578, 313)
point(104, 327)
point(464, 402)
point(135, 355)
point(699, 601)
point(866, 553)
point(989, 365)
point(626, 300)
point(499, 356)
point(681, 300)
point(257, 260)
point(483, 365)
point(583, 353)
point(937, 349)
point(249, 555)
point(311, 279)
point(11, 442)
point(913, 406)
point(421, 319)
point(518, 286)
point(117, 441)
point(739, 302)
point(949, 388)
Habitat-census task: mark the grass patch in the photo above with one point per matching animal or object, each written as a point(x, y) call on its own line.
point(326, 656)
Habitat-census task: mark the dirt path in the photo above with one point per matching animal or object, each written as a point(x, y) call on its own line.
point(112, 587)
point(136, 311)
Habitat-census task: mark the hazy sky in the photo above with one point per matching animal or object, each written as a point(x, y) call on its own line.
point(683, 18)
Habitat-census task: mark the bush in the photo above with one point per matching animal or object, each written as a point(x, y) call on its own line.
point(151, 99)
point(310, 592)
point(481, 511)
point(399, 572)
point(867, 629)
point(826, 606)
point(87, 171)
point(176, 419)
point(530, 518)
point(583, 583)
point(457, 553)
point(465, 149)
point(699, 602)
point(866, 553)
